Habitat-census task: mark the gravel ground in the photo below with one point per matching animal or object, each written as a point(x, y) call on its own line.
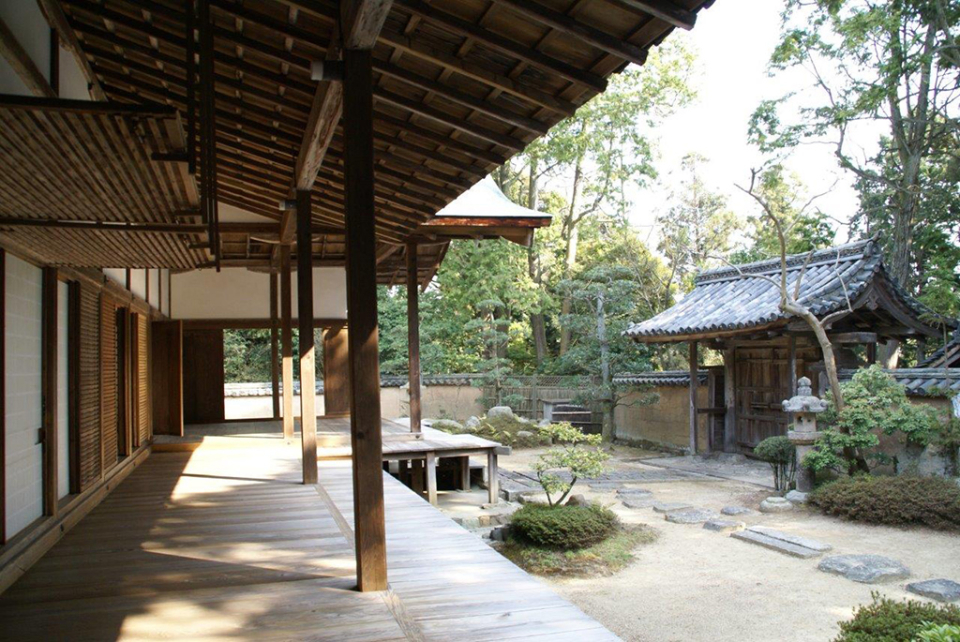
point(693, 584)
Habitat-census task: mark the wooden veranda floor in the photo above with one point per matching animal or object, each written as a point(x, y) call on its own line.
point(225, 544)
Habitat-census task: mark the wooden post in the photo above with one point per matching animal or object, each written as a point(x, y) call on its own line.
point(274, 347)
point(308, 368)
point(730, 401)
point(431, 464)
point(49, 378)
point(365, 421)
point(286, 341)
point(792, 365)
point(493, 477)
point(416, 476)
point(694, 382)
point(413, 336)
point(336, 385)
point(464, 463)
point(871, 349)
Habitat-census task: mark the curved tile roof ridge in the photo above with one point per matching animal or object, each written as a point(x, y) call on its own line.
point(848, 251)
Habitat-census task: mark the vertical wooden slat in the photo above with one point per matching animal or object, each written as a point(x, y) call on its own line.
point(108, 383)
point(144, 389)
point(694, 382)
point(286, 341)
point(49, 384)
point(308, 368)
point(274, 347)
point(413, 336)
point(89, 387)
point(365, 428)
point(73, 383)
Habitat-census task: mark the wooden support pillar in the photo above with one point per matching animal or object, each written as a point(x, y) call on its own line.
point(729, 400)
point(416, 476)
point(464, 463)
point(336, 377)
point(413, 336)
point(694, 383)
point(792, 365)
point(49, 382)
point(871, 349)
point(493, 477)
point(431, 464)
point(308, 368)
point(274, 346)
point(286, 340)
point(365, 421)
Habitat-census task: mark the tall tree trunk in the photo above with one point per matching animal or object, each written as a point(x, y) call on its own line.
point(538, 325)
point(605, 379)
point(572, 234)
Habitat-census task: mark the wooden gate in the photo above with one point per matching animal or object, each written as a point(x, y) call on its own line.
point(763, 382)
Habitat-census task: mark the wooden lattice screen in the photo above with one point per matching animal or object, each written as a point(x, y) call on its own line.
point(89, 387)
point(108, 370)
point(144, 416)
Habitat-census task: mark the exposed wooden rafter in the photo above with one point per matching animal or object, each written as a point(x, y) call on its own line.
point(23, 65)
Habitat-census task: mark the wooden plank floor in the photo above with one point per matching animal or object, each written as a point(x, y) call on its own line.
point(224, 544)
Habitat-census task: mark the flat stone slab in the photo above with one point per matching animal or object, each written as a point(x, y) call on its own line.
point(736, 510)
point(633, 492)
point(941, 590)
point(775, 505)
point(605, 485)
point(723, 525)
point(667, 507)
point(776, 544)
point(799, 540)
point(639, 502)
point(689, 516)
point(866, 569)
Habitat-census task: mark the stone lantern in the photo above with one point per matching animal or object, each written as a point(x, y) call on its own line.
point(804, 407)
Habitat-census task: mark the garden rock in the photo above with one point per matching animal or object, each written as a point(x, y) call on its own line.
point(447, 425)
point(723, 525)
point(577, 500)
point(524, 434)
point(689, 516)
point(736, 510)
point(940, 590)
point(472, 422)
point(639, 502)
point(667, 507)
point(500, 411)
point(775, 505)
point(866, 569)
point(543, 423)
point(797, 497)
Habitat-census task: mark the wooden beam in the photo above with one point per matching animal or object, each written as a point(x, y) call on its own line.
point(49, 391)
point(365, 418)
point(286, 343)
point(308, 368)
point(274, 345)
point(730, 400)
point(324, 117)
point(361, 21)
point(664, 10)
point(568, 26)
point(104, 226)
point(22, 64)
point(413, 336)
point(694, 384)
point(68, 40)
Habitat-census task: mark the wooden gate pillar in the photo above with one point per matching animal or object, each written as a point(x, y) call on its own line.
point(308, 368)
point(413, 336)
point(365, 427)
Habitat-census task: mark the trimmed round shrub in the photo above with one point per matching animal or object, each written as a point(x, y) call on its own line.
point(781, 454)
point(886, 620)
point(895, 501)
point(564, 527)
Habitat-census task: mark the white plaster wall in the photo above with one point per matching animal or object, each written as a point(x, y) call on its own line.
point(238, 293)
point(72, 83)
point(165, 294)
point(154, 290)
point(138, 283)
point(117, 275)
point(22, 337)
point(63, 390)
point(31, 30)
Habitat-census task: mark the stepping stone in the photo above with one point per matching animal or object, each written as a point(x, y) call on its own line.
point(940, 590)
point(866, 569)
point(640, 502)
point(633, 492)
point(781, 542)
point(775, 505)
point(723, 525)
point(666, 507)
point(797, 497)
point(605, 485)
point(736, 510)
point(805, 542)
point(689, 516)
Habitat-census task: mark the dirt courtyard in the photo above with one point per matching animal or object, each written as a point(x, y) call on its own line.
point(695, 584)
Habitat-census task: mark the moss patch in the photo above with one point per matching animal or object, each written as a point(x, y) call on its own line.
point(605, 558)
point(503, 430)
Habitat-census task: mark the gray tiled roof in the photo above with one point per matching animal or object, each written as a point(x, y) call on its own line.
point(739, 298)
point(662, 378)
point(922, 382)
point(949, 353)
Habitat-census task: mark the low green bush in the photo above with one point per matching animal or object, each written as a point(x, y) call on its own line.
point(886, 620)
point(564, 527)
point(939, 633)
point(781, 454)
point(896, 501)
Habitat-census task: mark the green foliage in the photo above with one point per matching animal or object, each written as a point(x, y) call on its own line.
point(886, 620)
point(895, 501)
point(939, 633)
point(782, 457)
point(875, 404)
point(564, 527)
point(577, 456)
point(605, 558)
point(246, 356)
